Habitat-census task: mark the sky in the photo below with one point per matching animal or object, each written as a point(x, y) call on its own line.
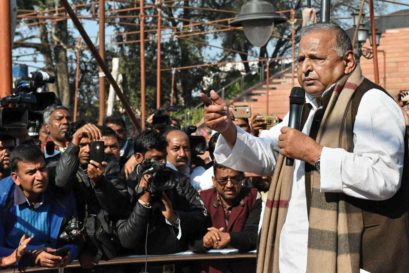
point(35, 62)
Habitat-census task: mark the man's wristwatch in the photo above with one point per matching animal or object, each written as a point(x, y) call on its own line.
point(317, 164)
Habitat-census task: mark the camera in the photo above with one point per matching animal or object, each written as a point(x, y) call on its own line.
point(240, 111)
point(23, 109)
point(73, 231)
point(160, 176)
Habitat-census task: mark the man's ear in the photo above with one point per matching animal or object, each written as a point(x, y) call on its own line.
point(15, 178)
point(350, 62)
point(138, 158)
point(47, 129)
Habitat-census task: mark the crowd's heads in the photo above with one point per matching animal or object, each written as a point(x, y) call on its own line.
point(111, 143)
point(149, 144)
point(178, 149)
point(28, 169)
point(57, 120)
point(117, 124)
point(227, 181)
point(325, 55)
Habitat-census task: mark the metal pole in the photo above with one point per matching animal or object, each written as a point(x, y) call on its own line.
point(101, 63)
point(325, 11)
point(172, 90)
point(101, 14)
point(158, 58)
point(142, 64)
point(292, 46)
point(268, 86)
point(77, 79)
point(374, 47)
point(5, 49)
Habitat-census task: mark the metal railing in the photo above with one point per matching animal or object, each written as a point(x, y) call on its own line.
point(187, 256)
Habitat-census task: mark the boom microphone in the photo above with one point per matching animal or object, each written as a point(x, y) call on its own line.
point(297, 100)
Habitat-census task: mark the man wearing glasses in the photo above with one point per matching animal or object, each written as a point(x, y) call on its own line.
point(235, 213)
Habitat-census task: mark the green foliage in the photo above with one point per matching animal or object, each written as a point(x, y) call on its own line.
point(189, 116)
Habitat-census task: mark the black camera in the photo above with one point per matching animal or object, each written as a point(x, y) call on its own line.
point(23, 109)
point(160, 179)
point(73, 231)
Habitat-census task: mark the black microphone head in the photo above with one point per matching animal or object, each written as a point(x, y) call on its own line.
point(297, 95)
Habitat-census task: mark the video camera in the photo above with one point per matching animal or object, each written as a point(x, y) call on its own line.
point(23, 109)
point(160, 176)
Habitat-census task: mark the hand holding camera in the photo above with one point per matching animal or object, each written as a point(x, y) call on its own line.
point(257, 123)
point(49, 258)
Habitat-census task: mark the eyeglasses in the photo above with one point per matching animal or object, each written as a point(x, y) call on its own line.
point(234, 180)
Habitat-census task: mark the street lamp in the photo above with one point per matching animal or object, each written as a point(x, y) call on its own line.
point(258, 17)
point(362, 34)
point(377, 38)
point(355, 17)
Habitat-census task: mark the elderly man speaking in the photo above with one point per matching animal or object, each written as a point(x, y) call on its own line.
point(342, 206)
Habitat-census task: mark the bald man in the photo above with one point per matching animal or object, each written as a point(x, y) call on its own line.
point(178, 151)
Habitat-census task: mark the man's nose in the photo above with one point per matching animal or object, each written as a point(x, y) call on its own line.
point(229, 183)
point(182, 152)
point(39, 175)
point(65, 120)
point(306, 66)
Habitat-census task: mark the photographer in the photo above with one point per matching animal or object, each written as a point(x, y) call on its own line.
point(167, 212)
point(101, 194)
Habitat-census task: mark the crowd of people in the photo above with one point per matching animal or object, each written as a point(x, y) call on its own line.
point(342, 207)
point(149, 194)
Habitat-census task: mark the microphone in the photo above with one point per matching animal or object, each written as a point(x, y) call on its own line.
point(297, 100)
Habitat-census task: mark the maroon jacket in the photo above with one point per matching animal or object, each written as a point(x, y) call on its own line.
point(240, 212)
point(242, 226)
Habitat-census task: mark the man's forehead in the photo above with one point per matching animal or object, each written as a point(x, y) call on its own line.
point(177, 137)
point(115, 126)
point(60, 112)
point(226, 172)
point(85, 140)
point(178, 142)
point(109, 138)
point(24, 165)
point(154, 153)
point(318, 38)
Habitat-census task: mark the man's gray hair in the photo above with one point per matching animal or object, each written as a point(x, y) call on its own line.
point(50, 109)
point(343, 42)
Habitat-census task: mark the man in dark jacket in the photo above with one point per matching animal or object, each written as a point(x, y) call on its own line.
point(167, 211)
point(101, 194)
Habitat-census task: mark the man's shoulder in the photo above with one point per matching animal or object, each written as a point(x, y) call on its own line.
point(249, 195)
point(6, 185)
point(208, 196)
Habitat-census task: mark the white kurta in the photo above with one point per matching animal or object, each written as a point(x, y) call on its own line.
point(372, 171)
